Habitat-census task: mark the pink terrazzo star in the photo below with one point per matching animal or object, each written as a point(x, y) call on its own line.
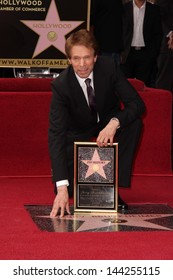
point(95, 165)
point(51, 31)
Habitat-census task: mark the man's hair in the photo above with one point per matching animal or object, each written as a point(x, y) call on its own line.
point(82, 37)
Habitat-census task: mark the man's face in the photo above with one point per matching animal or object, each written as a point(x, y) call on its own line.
point(82, 59)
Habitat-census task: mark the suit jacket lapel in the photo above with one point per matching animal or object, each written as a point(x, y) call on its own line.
point(146, 19)
point(99, 84)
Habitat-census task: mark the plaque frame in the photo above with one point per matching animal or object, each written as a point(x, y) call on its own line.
point(95, 178)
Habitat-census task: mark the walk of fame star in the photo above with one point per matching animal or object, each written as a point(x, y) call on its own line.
point(110, 223)
point(95, 165)
point(138, 218)
point(52, 30)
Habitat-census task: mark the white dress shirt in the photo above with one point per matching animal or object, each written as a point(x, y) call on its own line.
point(138, 19)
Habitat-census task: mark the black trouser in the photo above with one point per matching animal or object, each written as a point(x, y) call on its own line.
point(138, 65)
point(127, 139)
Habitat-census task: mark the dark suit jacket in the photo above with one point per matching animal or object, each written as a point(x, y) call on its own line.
point(70, 116)
point(106, 18)
point(166, 9)
point(152, 29)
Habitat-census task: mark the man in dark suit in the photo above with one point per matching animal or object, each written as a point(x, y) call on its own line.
point(71, 118)
point(142, 32)
point(165, 60)
point(106, 21)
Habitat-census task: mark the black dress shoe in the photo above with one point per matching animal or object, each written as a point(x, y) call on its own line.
point(121, 204)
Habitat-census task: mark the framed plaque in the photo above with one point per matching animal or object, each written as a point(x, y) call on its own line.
point(95, 177)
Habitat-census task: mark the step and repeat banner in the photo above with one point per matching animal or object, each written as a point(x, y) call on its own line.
point(33, 32)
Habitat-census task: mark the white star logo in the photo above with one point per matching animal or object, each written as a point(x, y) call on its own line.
point(51, 31)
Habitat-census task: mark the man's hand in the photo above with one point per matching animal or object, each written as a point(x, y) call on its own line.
point(170, 40)
point(61, 202)
point(107, 134)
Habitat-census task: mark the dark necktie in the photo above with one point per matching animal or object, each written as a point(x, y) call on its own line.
point(91, 99)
